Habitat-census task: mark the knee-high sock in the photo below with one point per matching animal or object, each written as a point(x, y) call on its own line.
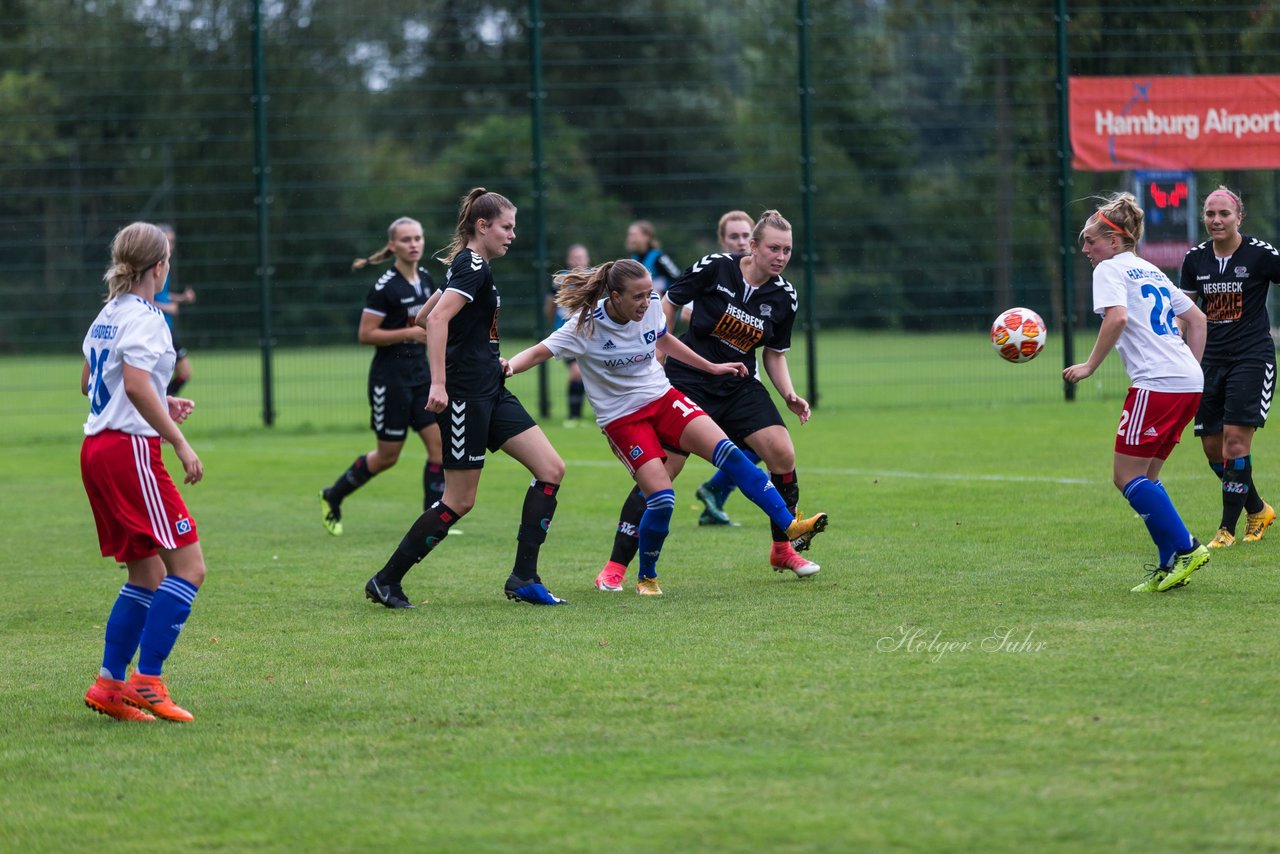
point(356, 476)
point(721, 484)
point(654, 526)
point(753, 482)
point(535, 521)
point(1166, 553)
point(1152, 503)
point(626, 541)
point(432, 484)
point(170, 607)
point(427, 532)
point(1253, 502)
point(1236, 476)
point(124, 629)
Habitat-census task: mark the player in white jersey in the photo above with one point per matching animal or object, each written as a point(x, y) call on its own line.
point(617, 329)
point(1138, 305)
point(141, 519)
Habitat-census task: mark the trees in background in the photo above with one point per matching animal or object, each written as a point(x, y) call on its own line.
point(935, 140)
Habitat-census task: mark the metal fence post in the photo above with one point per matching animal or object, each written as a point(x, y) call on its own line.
point(261, 171)
point(1066, 246)
point(806, 191)
point(536, 97)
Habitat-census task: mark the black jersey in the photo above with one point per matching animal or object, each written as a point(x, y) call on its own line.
point(1233, 293)
point(397, 301)
point(471, 359)
point(728, 323)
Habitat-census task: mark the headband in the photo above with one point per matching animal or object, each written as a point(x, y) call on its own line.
point(1225, 191)
point(1103, 217)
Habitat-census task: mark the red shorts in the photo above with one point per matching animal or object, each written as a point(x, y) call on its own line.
point(136, 505)
point(1152, 421)
point(639, 437)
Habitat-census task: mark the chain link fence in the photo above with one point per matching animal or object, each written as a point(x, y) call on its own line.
point(281, 137)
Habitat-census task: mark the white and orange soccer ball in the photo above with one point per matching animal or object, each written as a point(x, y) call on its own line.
point(1018, 335)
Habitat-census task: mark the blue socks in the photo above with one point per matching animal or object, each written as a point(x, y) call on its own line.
point(124, 629)
point(654, 526)
point(754, 483)
point(1163, 522)
point(170, 607)
point(721, 484)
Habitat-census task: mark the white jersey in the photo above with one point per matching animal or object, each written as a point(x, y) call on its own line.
point(1155, 356)
point(620, 370)
point(129, 330)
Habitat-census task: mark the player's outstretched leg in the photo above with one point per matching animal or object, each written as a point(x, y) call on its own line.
point(757, 487)
point(716, 491)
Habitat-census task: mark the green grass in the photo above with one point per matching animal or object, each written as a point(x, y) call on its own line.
point(742, 711)
point(324, 388)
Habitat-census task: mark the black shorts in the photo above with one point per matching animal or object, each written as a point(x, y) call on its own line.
point(1238, 394)
point(179, 349)
point(740, 408)
point(395, 409)
point(469, 428)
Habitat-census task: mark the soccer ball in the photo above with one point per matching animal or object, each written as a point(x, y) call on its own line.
point(1018, 335)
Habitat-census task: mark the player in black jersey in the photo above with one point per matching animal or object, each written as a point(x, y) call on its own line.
point(642, 243)
point(478, 414)
point(1229, 275)
point(741, 304)
point(398, 376)
point(734, 231)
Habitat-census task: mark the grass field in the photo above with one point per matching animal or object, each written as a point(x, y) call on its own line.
point(968, 671)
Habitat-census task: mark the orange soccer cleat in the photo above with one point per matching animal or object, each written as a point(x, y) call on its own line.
point(150, 694)
point(104, 697)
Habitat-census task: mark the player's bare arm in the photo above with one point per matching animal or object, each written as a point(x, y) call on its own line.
point(669, 345)
point(1114, 321)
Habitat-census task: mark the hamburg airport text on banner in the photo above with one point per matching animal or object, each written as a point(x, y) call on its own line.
point(1192, 122)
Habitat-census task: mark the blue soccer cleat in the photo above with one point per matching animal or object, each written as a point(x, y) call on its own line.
point(530, 590)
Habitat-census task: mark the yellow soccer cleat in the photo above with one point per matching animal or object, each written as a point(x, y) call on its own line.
point(1256, 524)
point(330, 515)
point(1224, 539)
point(802, 531)
point(1183, 565)
point(648, 587)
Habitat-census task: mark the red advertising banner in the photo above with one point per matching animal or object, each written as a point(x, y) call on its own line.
point(1200, 122)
